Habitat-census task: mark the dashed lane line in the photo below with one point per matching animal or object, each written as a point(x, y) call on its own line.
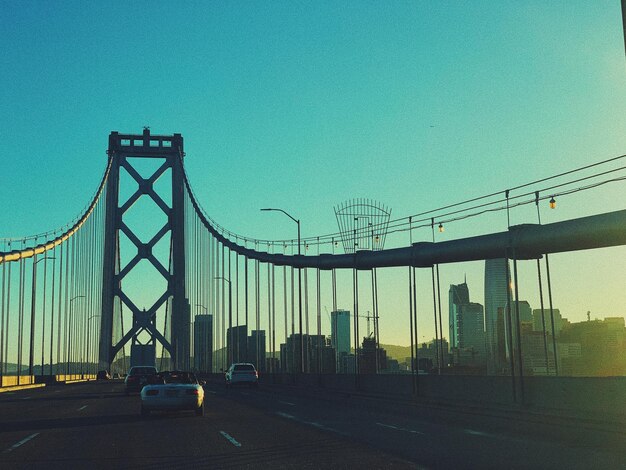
point(286, 403)
point(478, 433)
point(22, 442)
point(323, 427)
point(230, 438)
point(82, 407)
point(398, 428)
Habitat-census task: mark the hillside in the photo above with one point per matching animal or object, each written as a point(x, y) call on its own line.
point(399, 353)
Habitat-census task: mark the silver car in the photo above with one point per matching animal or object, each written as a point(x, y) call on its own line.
point(242, 373)
point(176, 390)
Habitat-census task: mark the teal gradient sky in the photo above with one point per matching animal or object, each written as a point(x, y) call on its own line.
point(303, 105)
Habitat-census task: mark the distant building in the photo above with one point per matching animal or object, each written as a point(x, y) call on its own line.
point(319, 355)
point(371, 358)
point(203, 343)
point(237, 343)
point(428, 352)
point(256, 349)
point(497, 295)
point(539, 320)
point(457, 295)
point(340, 336)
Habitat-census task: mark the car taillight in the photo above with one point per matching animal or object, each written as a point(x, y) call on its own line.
point(193, 392)
point(152, 392)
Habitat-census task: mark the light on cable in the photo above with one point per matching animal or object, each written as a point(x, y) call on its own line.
point(552, 203)
point(441, 229)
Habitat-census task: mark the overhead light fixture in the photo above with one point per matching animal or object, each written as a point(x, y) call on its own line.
point(441, 229)
point(552, 203)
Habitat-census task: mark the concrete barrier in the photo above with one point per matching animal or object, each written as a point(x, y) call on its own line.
point(594, 396)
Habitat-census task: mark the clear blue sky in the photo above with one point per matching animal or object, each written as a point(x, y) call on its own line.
point(303, 105)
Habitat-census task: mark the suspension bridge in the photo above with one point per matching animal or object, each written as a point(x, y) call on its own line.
point(66, 308)
point(71, 305)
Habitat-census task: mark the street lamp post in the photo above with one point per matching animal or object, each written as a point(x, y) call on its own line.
point(297, 221)
point(230, 318)
point(69, 334)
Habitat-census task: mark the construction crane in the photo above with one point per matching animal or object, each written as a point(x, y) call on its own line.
point(368, 317)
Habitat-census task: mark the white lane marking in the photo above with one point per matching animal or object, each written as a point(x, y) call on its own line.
point(230, 438)
point(398, 428)
point(82, 407)
point(23, 441)
point(213, 392)
point(286, 403)
point(311, 423)
point(478, 433)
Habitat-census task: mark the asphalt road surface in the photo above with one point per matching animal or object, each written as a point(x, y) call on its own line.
point(95, 425)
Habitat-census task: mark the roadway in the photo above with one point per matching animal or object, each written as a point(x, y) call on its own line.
point(95, 425)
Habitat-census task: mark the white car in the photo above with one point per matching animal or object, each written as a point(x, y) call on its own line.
point(242, 373)
point(174, 390)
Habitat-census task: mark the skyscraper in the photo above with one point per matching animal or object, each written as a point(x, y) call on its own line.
point(340, 335)
point(497, 294)
point(203, 343)
point(457, 295)
point(256, 349)
point(471, 332)
point(238, 350)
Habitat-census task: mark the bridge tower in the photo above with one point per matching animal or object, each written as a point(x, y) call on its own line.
point(168, 149)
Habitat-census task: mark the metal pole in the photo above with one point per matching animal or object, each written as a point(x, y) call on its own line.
point(31, 354)
point(297, 221)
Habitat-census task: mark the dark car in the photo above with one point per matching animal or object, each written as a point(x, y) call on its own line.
point(137, 377)
point(103, 375)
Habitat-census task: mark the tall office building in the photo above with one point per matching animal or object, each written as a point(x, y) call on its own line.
point(471, 332)
point(203, 343)
point(497, 294)
point(237, 343)
point(457, 295)
point(256, 349)
point(340, 335)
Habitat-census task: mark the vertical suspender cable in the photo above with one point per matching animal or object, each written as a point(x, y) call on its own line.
point(556, 362)
point(415, 331)
point(8, 314)
point(432, 269)
point(20, 322)
point(286, 323)
point(273, 319)
point(2, 331)
point(441, 348)
point(59, 309)
point(43, 313)
point(411, 316)
point(269, 317)
point(306, 301)
point(543, 317)
point(356, 325)
point(520, 365)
